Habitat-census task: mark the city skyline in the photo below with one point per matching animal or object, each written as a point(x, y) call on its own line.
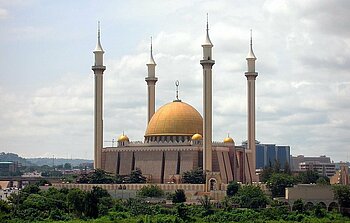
point(46, 85)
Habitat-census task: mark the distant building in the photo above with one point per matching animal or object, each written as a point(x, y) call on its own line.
point(267, 154)
point(341, 176)
point(312, 195)
point(296, 160)
point(323, 169)
point(340, 164)
point(6, 168)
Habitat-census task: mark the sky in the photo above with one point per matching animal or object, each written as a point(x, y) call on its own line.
point(46, 82)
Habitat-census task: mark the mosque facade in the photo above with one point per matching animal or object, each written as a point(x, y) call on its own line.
point(177, 138)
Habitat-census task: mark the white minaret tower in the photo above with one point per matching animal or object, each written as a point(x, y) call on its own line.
point(98, 69)
point(251, 76)
point(151, 80)
point(207, 64)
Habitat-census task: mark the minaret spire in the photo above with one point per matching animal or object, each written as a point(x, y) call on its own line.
point(98, 69)
point(151, 80)
point(251, 76)
point(151, 60)
point(207, 63)
point(207, 42)
point(251, 54)
point(207, 23)
point(98, 47)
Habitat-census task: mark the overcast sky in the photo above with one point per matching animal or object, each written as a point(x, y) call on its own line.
point(46, 81)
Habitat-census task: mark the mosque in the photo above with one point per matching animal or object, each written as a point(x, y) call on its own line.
point(178, 138)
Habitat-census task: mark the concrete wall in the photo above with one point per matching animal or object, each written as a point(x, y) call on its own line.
point(109, 162)
point(150, 163)
point(310, 192)
point(165, 187)
point(160, 164)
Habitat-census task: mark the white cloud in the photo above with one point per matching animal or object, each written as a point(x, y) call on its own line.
point(302, 88)
point(3, 13)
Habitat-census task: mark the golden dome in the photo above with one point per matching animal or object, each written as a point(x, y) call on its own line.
point(175, 119)
point(228, 140)
point(197, 137)
point(123, 138)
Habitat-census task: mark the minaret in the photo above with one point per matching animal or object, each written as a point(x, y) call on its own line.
point(151, 80)
point(251, 76)
point(98, 69)
point(207, 64)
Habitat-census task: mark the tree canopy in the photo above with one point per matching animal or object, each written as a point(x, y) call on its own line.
point(195, 176)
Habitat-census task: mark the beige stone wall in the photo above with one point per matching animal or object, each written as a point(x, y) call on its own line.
point(170, 165)
point(216, 162)
point(220, 160)
point(110, 162)
point(228, 166)
point(310, 192)
point(125, 163)
point(165, 187)
point(187, 158)
point(150, 162)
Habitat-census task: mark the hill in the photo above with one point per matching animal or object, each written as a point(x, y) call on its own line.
point(40, 161)
point(15, 158)
point(57, 161)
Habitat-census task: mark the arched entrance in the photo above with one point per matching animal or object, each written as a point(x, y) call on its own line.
point(212, 184)
point(309, 205)
point(333, 207)
point(322, 205)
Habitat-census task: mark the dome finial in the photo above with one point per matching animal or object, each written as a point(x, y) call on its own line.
point(177, 83)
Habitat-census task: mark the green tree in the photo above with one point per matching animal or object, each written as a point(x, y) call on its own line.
point(75, 199)
point(179, 196)
point(250, 196)
point(278, 183)
point(67, 166)
point(4, 207)
point(206, 204)
point(91, 205)
point(266, 173)
point(308, 177)
point(276, 166)
point(43, 182)
point(195, 176)
point(183, 212)
point(97, 201)
point(135, 177)
point(286, 168)
point(151, 191)
point(323, 180)
point(232, 188)
point(100, 176)
point(31, 189)
point(298, 206)
point(342, 194)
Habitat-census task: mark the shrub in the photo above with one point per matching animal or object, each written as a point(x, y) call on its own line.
point(179, 196)
point(232, 188)
point(195, 176)
point(151, 191)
